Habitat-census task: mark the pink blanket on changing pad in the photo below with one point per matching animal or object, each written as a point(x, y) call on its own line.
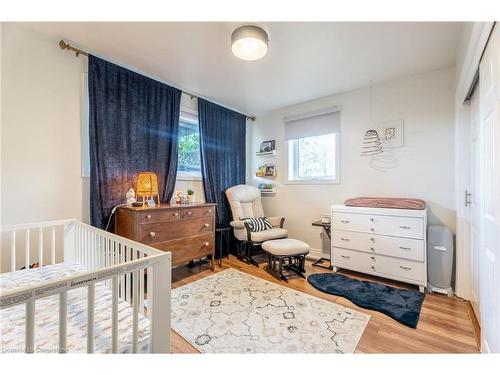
point(401, 203)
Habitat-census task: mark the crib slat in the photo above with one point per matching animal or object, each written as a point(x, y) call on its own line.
point(27, 249)
point(53, 245)
point(13, 251)
point(114, 314)
point(122, 277)
point(135, 309)
point(90, 317)
point(127, 276)
point(30, 327)
point(142, 308)
point(40, 247)
point(63, 313)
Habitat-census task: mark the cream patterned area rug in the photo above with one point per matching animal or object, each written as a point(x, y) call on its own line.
point(234, 312)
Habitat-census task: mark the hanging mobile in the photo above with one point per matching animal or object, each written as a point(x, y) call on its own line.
point(371, 141)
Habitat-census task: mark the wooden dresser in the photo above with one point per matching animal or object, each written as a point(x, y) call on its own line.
point(385, 242)
point(187, 231)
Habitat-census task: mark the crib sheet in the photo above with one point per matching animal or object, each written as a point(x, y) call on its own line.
point(47, 316)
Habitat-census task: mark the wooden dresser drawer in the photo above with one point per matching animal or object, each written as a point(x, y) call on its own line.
point(186, 249)
point(153, 216)
point(406, 248)
point(196, 212)
point(152, 233)
point(410, 227)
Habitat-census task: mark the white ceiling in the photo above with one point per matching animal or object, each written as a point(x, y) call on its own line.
point(305, 60)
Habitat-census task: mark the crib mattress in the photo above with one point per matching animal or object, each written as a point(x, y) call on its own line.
point(47, 316)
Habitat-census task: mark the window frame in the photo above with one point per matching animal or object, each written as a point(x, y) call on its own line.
point(312, 180)
point(186, 115)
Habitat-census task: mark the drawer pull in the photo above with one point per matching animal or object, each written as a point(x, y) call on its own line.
point(345, 239)
point(372, 258)
point(372, 229)
point(207, 225)
point(209, 211)
point(372, 219)
point(372, 239)
point(207, 244)
point(148, 216)
point(373, 268)
point(152, 234)
point(405, 248)
point(404, 227)
point(189, 213)
point(372, 248)
point(176, 214)
point(405, 268)
point(345, 221)
point(345, 256)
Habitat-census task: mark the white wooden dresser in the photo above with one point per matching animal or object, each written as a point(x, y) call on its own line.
point(385, 242)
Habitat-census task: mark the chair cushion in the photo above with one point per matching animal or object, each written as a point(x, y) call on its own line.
point(269, 234)
point(286, 246)
point(258, 224)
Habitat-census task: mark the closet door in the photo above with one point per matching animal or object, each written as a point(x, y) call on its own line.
point(475, 226)
point(489, 254)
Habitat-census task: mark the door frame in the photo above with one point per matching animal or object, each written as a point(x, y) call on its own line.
point(478, 39)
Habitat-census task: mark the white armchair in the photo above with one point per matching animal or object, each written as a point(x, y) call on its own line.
point(245, 203)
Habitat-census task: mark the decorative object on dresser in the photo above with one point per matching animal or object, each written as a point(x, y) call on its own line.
point(187, 231)
point(147, 187)
point(385, 242)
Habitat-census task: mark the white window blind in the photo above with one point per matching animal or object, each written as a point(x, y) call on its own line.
point(312, 124)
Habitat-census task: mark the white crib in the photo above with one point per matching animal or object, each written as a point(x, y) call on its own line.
point(121, 265)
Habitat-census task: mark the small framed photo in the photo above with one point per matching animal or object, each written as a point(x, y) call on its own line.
point(392, 133)
point(268, 146)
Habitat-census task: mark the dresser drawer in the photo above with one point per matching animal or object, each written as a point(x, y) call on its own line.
point(186, 249)
point(401, 268)
point(351, 259)
point(380, 265)
point(400, 226)
point(153, 216)
point(406, 248)
point(152, 233)
point(196, 212)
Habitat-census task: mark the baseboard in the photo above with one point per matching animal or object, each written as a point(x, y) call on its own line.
point(317, 254)
point(475, 323)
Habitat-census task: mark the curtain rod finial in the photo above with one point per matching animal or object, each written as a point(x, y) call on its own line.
point(63, 44)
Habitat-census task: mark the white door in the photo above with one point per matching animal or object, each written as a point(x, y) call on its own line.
point(474, 203)
point(489, 253)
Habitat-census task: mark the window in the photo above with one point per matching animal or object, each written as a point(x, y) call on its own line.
point(189, 163)
point(313, 142)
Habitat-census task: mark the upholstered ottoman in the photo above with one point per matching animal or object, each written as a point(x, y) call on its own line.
point(289, 254)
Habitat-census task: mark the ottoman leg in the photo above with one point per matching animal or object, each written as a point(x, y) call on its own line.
point(282, 277)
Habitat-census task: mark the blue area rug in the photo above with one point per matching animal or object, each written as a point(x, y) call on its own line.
point(400, 304)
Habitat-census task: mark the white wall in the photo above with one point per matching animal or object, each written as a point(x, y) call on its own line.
point(41, 129)
point(426, 163)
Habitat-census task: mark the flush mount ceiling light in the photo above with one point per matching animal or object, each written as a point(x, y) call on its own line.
point(249, 43)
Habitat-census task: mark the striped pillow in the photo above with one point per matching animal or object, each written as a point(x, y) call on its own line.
point(258, 224)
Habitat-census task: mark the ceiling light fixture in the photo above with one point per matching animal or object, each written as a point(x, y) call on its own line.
point(249, 43)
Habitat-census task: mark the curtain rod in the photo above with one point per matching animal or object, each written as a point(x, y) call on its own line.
point(79, 52)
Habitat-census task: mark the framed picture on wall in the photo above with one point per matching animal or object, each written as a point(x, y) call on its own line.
point(268, 146)
point(392, 133)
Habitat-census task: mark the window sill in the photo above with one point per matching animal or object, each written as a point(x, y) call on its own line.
point(188, 177)
point(312, 182)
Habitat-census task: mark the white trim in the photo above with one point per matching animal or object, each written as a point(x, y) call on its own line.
point(477, 43)
point(317, 254)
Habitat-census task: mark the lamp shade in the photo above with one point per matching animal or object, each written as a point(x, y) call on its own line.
point(147, 184)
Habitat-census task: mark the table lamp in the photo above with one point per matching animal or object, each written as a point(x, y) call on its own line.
point(147, 187)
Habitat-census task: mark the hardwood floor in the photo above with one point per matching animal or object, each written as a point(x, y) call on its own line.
point(444, 326)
